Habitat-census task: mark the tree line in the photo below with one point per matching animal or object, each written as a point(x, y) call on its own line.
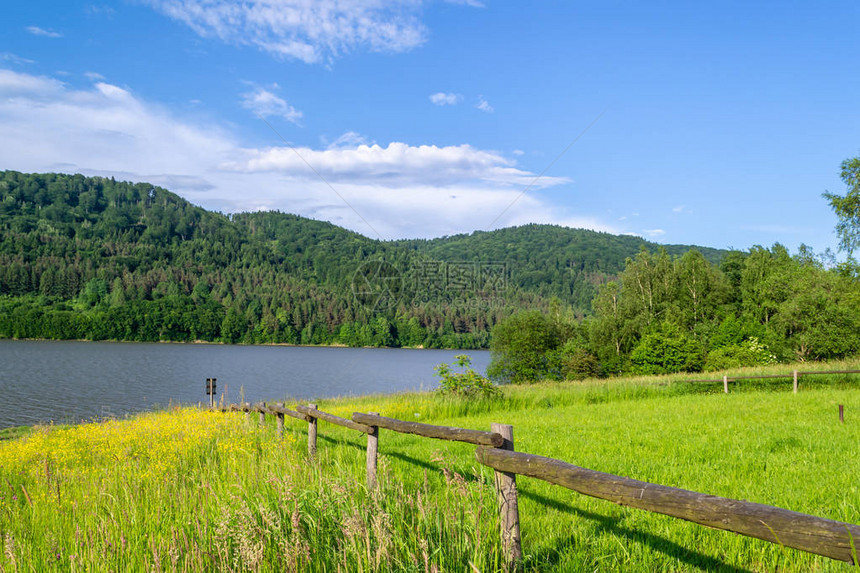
point(684, 313)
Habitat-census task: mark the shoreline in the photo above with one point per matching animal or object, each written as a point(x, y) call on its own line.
point(215, 343)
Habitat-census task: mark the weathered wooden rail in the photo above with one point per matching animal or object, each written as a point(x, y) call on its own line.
point(818, 535)
point(794, 376)
point(476, 437)
point(788, 528)
point(336, 420)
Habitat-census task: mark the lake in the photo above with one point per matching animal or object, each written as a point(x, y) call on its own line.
point(65, 382)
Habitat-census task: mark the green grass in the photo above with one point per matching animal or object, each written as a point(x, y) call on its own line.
point(236, 497)
point(14, 432)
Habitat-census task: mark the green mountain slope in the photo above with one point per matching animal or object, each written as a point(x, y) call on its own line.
point(90, 257)
point(549, 260)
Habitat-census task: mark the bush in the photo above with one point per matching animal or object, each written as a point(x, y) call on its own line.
point(465, 384)
point(666, 351)
point(577, 363)
point(748, 353)
point(524, 348)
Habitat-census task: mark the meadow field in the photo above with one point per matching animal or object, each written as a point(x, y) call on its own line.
point(191, 490)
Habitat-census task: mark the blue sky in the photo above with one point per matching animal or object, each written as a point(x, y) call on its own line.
point(717, 124)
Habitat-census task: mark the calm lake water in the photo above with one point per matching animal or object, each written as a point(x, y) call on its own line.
point(73, 381)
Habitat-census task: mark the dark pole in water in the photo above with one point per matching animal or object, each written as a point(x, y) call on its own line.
point(210, 390)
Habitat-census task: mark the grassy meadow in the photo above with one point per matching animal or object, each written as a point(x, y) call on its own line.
point(190, 490)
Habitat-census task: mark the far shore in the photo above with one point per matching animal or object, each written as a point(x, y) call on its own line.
point(216, 343)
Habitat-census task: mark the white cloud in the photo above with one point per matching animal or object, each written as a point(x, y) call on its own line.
point(518, 152)
point(105, 129)
point(349, 139)
point(653, 233)
point(100, 10)
point(393, 166)
point(13, 59)
point(442, 98)
point(94, 76)
point(14, 85)
point(115, 93)
point(37, 31)
point(307, 30)
point(483, 105)
point(401, 190)
point(266, 104)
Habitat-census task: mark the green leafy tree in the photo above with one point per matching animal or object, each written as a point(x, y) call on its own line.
point(614, 328)
point(821, 320)
point(666, 350)
point(232, 326)
point(701, 289)
point(847, 207)
point(767, 280)
point(647, 284)
point(117, 293)
point(523, 348)
point(577, 362)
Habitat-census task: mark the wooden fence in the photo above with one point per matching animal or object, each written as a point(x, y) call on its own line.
point(833, 539)
point(794, 376)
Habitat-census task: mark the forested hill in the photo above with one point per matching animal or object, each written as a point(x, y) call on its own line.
point(550, 260)
point(90, 257)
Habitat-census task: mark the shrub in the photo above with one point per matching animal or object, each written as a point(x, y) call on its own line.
point(523, 348)
point(577, 363)
point(750, 352)
point(466, 384)
point(666, 351)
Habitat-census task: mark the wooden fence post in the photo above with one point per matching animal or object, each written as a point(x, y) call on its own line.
point(281, 422)
point(312, 432)
point(509, 513)
point(263, 416)
point(795, 381)
point(726, 384)
point(247, 412)
point(372, 453)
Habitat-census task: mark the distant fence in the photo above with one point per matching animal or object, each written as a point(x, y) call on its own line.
point(833, 539)
point(794, 376)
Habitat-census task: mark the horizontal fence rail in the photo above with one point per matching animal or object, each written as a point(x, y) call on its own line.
point(826, 537)
point(286, 411)
point(476, 437)
point(789, 528)
point(796, 373)
point(336, 420)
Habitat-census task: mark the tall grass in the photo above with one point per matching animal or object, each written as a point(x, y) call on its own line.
point(185, 490)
